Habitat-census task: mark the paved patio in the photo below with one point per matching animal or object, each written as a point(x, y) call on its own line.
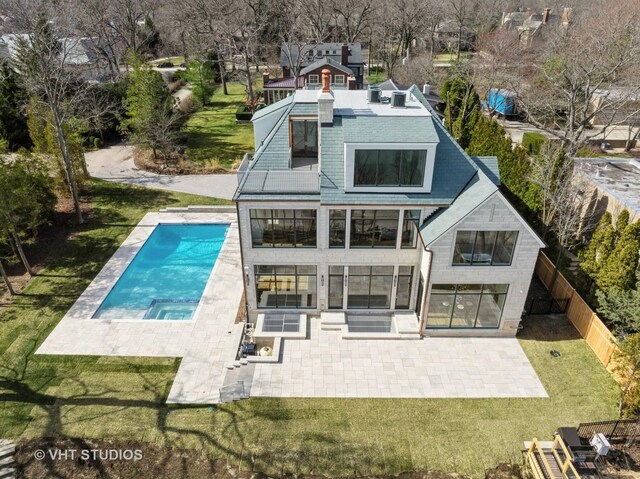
point(327, 366)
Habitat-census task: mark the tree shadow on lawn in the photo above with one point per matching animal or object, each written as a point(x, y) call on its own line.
point(225, 432)
point(112, 195)
point(203, 145)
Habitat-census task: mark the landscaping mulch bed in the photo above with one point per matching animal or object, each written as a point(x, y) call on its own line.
point(52, 457)
point(50, 240)
point(178, 165)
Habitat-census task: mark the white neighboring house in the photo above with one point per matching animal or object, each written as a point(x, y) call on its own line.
point(372, 220)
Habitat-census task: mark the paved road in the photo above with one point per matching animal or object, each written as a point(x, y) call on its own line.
point(116, 164)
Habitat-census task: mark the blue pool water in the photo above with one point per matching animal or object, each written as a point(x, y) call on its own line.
point(167, 277)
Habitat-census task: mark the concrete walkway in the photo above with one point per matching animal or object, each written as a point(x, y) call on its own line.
point(116, 164)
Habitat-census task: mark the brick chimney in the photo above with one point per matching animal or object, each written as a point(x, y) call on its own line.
point(545, 15)
point(265, 76)
point(344, 59)
point(351, 82)
point(325, 100)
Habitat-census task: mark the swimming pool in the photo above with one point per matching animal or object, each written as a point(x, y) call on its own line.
point(167, 277)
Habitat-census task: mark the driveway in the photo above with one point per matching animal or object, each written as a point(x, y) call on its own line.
point(116, 164)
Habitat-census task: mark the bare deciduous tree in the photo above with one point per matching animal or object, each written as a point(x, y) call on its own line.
point(353, 17)
point(585, 73)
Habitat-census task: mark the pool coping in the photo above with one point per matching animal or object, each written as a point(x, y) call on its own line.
point(210, 332)
point(140, 238)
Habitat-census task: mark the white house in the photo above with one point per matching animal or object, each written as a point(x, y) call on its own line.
point(361, 212)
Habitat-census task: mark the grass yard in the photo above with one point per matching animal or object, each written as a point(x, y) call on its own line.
point(378, 77)
point(213, 137)
point(448, 57)
point(122, 398)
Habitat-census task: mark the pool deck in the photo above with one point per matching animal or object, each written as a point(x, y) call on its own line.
point(205, 343)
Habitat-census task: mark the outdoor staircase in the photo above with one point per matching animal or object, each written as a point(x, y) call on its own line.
point(7, 464)
point(237, 381)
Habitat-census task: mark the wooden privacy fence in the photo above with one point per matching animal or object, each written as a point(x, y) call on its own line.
point(586, 321)
point(613, 430)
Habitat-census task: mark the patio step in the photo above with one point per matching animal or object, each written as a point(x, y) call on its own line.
point(237, 382)
point(7, 451)
point(332, 321)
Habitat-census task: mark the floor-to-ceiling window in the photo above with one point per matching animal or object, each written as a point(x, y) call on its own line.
point(279, 287)
point(370, 287)
point(466, 305)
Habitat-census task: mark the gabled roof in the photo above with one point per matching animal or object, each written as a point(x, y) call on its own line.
point(326, 61)
point(476, 192)
point(334, 49)
point(489, 166)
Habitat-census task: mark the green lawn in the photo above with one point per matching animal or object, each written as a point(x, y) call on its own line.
point(213, 137)
point(449, 57)
point(374, 78)
point(121, 398)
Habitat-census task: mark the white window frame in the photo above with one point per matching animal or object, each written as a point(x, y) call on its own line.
point(312, 77)
point(342, 82)
point(349, 164)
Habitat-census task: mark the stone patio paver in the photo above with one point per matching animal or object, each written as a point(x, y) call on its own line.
point(327, 366)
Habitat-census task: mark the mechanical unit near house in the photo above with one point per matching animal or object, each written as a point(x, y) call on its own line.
point(358, 210)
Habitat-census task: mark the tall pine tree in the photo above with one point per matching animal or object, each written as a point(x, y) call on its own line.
point(600, 247)
point(619, 271)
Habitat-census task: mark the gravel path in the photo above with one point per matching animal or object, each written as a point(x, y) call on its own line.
point(116, 164)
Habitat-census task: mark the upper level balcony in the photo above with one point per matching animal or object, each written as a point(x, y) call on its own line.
point(304, 180)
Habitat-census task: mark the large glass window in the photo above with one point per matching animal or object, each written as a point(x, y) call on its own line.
point(410, 225)
point(283, 228)
point(336, 287)
point(403, 289)
point(374, 228)
point(389, 167)
point(370, 287)
point(337, 228)
point(484, 248)
point(304, 138)
point(282, 287)
point(466, 305)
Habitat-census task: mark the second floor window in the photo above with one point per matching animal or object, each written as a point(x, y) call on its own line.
point(374, 228)
point(303, 137)
point(339, 79)
point(389, 167)
point(283, 228)
point(314, 79)
point(337, 228)
point(484, 248)
point(410, 225)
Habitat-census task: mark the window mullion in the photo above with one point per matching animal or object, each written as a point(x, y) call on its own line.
point(473, 250)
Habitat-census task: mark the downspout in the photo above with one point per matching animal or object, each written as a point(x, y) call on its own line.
point(244, 274)
point(425, 295)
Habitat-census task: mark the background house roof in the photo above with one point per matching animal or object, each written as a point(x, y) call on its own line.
point(334, 49)
point(326, 61)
